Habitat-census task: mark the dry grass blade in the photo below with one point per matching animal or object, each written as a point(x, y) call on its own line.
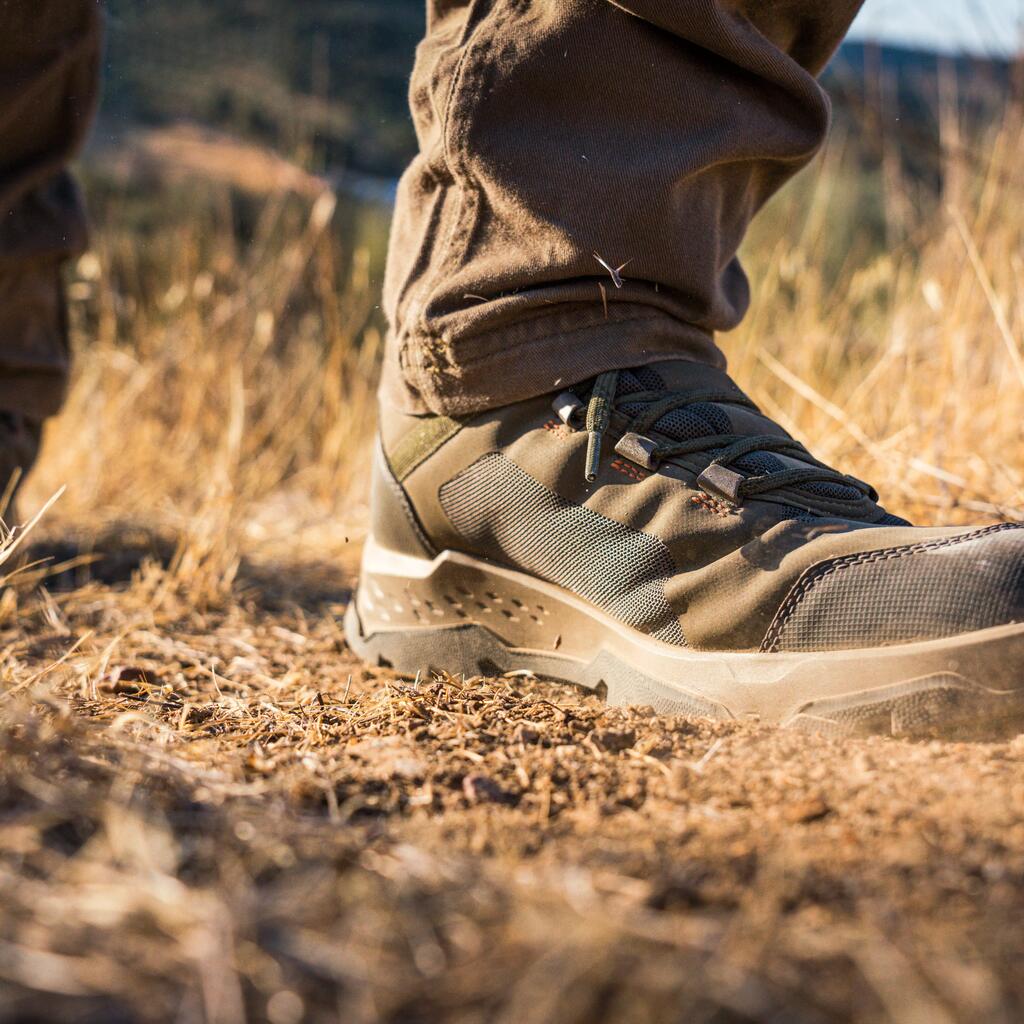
point(15, 540)
point(993, 300)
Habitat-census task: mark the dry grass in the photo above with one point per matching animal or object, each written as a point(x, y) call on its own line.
point(908, 368)
point(211, 813)
point(221, 398)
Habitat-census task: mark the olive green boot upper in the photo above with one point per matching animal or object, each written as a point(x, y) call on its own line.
point(665, 498)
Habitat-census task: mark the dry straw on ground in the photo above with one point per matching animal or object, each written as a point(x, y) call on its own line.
point(211, 813)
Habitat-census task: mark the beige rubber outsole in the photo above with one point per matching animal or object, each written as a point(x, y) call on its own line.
point(463, 615)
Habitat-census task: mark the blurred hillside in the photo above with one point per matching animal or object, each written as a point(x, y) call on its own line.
point(324, 81)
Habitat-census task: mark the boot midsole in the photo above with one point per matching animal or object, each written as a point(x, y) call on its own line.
point(558, 635)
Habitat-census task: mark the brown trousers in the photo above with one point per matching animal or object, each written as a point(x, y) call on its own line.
point(49, 69)
point(587, 169)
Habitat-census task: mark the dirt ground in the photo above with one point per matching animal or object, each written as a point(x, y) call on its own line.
point(210, 813)
point(219, 815)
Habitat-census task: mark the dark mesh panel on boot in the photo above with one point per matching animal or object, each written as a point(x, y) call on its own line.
point(648, 377)
point(700, 420)
point(511, 517)
point(899, 595)
point(801, 514)
point(766, 462)
point(632, 382)
point(688, 424)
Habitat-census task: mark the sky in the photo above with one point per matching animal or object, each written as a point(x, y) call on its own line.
point(978, 26)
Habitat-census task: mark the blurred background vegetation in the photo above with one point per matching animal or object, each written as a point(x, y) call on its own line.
point(323, 83)
point(325, 78)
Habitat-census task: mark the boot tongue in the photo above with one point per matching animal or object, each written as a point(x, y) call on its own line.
point(706, 419)
point(700, 419)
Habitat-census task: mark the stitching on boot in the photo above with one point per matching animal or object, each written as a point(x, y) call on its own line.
point(628, 469)
point(714, 505)
point(558, 428)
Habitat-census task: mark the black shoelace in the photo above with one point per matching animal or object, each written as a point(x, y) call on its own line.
point(724, 449)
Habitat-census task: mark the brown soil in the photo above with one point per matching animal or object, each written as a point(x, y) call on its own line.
point(217, 815)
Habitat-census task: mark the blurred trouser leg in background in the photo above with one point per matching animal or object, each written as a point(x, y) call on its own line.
point(553, 132)
point(49, 73)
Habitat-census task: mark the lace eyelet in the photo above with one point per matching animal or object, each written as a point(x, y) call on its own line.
point(639, 449)
point(722, 482)
point(568, 408)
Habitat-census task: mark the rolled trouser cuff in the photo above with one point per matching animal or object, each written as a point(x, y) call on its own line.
point(521, 361)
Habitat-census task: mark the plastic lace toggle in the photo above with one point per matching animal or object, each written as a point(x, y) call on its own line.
point(638, 449)
point(567, 408)
point(722, 482)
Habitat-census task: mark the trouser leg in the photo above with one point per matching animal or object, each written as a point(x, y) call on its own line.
point(561, 138)
point(49, 72)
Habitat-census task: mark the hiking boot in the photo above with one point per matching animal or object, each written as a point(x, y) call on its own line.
point(653, 536)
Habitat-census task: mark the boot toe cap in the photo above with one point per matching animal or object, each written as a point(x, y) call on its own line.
point(925, 591)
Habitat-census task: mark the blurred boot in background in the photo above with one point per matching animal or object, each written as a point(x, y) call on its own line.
point(49, 75)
